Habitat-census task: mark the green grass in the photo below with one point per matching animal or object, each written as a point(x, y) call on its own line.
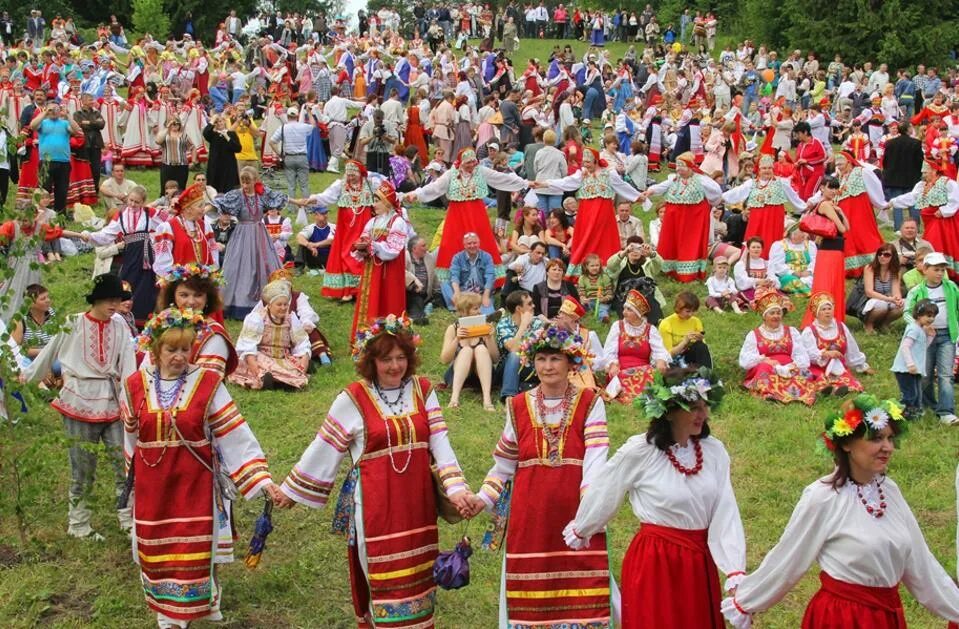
point(302, 580)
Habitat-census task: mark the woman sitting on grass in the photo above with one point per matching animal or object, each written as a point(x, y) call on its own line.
point(469, 355)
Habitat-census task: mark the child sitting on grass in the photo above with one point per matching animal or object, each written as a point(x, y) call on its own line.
point(722, 289)
point(595, 287)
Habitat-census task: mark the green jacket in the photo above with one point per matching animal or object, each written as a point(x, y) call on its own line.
point(921, 292)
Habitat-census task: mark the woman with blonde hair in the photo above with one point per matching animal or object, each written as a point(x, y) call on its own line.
point(469, 353)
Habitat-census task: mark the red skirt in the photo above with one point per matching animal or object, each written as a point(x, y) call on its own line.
point(863, 237)
point(767, 222)
point(841, 605)
point(29, 175)
point(378, 295)
point(342, 275)
point(943, 235)
point(684, 241)
point(670, 581)
point(595, 233)
point(81, 189)
point(829, 276)
point(463, 217)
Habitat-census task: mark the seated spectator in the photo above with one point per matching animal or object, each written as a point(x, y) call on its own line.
point(570, 315)
point(36, 329)
point(163, 205)
point(530, 268)
point(273, 347)
point(656, 225)
point(222, 231)
point(719, 247)
point(683, 333)
point(280, 228)
point(558, 235)
point(633, 269)
point(510, 331)
point(634, 351)
point(404, 167)
point(909, 243)
point(571, 208)
point(469, 355)
point(595, 288)
point(792, 260)
point(548, 295)
point(528, 230)
point(421, 282)
point(914, 276)
point(722, 291)
point(832, 350)
point(627, 224)
point(300, 305)
point(471, 271)
point(882, 284)
point(752, 272)
point(315, 240)
point(115, 189)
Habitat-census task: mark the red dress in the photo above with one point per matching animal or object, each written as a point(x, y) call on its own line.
point(942, 232)
point(684, 237)
point(354, 209)
point(380, 291)
point(30, 170)
point(829, 276)
point(841, 605)
point(863, 237)
point(533, 558)
point(415, 135)
point(767, 214)
point(596, 230)
point(399, 517)
point(635, 370)
point(806, 177)
point(763, 381)
point(839, 344)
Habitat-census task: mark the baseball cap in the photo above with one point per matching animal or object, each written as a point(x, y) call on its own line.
point(292, 111)
point(320, 209)
point(935, 259)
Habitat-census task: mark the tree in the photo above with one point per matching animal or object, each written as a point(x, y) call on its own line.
point(149, 16)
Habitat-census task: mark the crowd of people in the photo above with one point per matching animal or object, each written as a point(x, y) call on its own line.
point(758, 213)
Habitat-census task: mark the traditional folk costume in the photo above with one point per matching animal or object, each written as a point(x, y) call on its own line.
point(194, 121)
point(807, 176)
point(942, 232)
point(250, 258)
point(653, 123)
point(135, 226)
point(684, 237)
point(766, 201)
point(832, 373)
point(596, 230)
point(280, 229)
point(596, 360)
point(866, 541)
point(392, 436)
point(95, 358)
point(784, 382)
point(115, 112)
point(690, 525)
point(23, 256)
point(30, 168)
point(354, 209)
point(467, 210)
point(384, 267)
point(139, 147)
point(80, 188)
point(636, 349)
point(274, 344)
point(309, 319)
point(179, 241)
point(555, 451)
point(182, 529)
point(788, 259)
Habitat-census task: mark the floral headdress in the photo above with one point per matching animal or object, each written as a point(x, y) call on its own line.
point(864, 409)
point(168, 319)
point(180, 272)
point(556, 339)
point(390, 324)
point(662, 395)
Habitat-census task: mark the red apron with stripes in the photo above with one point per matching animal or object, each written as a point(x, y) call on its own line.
point(399, 517)
point(547, 584)
point(173, 505)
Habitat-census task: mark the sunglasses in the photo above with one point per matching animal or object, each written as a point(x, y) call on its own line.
point(885, 254)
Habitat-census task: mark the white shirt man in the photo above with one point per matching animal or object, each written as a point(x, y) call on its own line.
point(529, 267)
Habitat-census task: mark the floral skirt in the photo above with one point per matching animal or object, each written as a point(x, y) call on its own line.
point(634, 381)
point(763, 382)
point(282, 369)
point(845, 379)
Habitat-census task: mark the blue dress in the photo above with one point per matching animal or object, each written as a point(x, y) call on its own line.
point(315, 151)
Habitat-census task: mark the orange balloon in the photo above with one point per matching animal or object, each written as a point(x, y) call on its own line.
point(768, 75)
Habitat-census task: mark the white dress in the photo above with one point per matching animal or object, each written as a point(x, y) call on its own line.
point(832, 528)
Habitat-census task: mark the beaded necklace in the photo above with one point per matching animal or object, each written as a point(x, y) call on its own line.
point(167, 400)
point(554, 435)
point(396, 407)
point(682, 469)
point(876, 509)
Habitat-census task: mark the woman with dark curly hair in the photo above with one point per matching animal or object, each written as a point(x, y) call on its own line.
point(391, 423)
point(677, 480)
point(856, 524)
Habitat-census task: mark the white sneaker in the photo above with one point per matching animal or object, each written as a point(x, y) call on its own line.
point(949, 420)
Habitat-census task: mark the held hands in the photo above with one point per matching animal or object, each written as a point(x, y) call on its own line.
point(273, 492)
point(468, 504)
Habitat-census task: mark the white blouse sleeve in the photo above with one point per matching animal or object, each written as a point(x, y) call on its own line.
point(305, 311)
point(298, 337)
point(447, 467)
point(250, 335)
point(658, 350)
point(162, 249)
point(661, 187)
point(242, 456)
point(569, 183)
point(813, 254)
point(749, 355)
point(330, 195)
point(952, 205)
point(799, 356)
point(873, 188)
point(434, 189)
point(608, 489)
point(621, 188)
point(854, 356)
point(596, 436)
point(791, 195)
point(611, 347)
point(812, 347)
point(311, 479)
point(908, 199)
point(713, 191)
point(505, 459)
point(599, 354)
point(739, 194)
point(395, 242)
point(508, 181)
point(743, 281)
point(727, 539)
point(286, 231)
point(108, 234)
point(777, 259)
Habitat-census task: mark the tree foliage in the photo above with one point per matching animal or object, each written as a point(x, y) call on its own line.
point(149, 16)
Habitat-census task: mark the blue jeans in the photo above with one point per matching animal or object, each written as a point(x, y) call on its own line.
point(510, 384)
point(447, 289)
point(910, 390)
point(601, 312)
point(897, 216)
point(748, 100)
point(589, 103)
point(547, 202)
point(940, 358)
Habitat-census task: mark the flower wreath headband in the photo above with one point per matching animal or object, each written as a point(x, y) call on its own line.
point(186, 319)
point(661, 396)
point(180, 272)
point(865, 409)
point(554, 339)
point(388, 325)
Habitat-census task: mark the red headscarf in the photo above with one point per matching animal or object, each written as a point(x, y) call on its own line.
point(602, 163)
point(850, 157)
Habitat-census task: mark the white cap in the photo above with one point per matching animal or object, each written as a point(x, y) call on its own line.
point(934, 259)
point(292, 111)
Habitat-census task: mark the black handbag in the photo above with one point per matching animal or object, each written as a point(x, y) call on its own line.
point(856, 299)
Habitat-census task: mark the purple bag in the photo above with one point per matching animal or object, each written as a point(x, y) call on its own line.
point(451, 570)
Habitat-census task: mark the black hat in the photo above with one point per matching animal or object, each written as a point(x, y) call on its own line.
point(107, 286)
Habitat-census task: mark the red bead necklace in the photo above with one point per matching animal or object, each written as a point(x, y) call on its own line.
point(682, 469)
point(876, 511)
